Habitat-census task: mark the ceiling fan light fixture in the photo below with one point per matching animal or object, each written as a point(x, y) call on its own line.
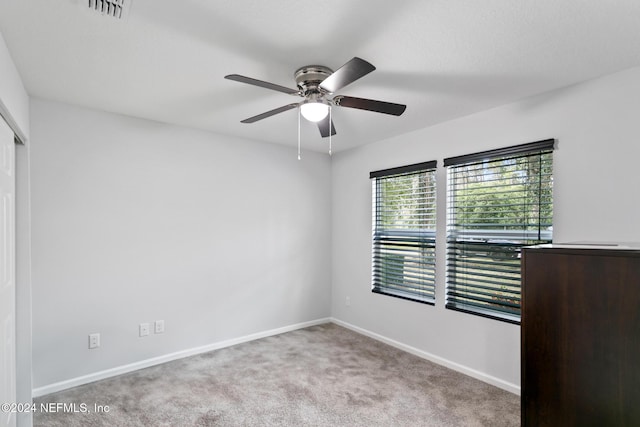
point(314, 111)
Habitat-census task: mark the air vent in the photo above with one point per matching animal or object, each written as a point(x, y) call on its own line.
point(113, 8)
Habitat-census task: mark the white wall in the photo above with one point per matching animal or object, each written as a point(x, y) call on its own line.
point(135, 221)
point(595, 194)
point(14, 101)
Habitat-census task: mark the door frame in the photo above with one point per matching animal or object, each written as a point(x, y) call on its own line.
point(23, 322)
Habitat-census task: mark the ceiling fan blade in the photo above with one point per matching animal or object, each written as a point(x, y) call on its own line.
point(266, 85)
point(347, 74)
point(324, 125)
point(269, 113)
point(370, 105)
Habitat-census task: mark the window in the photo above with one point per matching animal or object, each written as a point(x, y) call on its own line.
point(498, 201)
point(404, 231)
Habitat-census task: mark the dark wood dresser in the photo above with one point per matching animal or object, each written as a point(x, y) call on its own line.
point(580, 336)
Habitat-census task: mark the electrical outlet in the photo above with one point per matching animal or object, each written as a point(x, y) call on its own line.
point(347, 301)
point(159, 327)
point(144, 329)
point(94, 340)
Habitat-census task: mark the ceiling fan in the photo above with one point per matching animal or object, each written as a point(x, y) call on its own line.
point(317, 85)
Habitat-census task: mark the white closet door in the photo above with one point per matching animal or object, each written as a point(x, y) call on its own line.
point(7, 274)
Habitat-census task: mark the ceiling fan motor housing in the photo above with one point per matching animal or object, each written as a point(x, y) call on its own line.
point(309, 77)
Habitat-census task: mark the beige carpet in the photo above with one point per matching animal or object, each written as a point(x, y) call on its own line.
point(319, 376)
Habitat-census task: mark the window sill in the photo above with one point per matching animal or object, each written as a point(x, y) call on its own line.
point(513, 319)
point(404, 295)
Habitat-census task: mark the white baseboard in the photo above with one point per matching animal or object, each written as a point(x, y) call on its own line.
point(119, 370)
point(513, 388)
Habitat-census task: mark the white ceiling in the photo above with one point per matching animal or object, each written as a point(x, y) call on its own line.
point(442, 58)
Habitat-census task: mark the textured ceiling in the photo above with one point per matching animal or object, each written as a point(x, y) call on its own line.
point(444, 59)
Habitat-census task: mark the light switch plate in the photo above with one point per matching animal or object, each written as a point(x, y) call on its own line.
point(144, 329)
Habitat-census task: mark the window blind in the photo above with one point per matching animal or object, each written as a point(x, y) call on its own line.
point(404, 222)
point(498, 201)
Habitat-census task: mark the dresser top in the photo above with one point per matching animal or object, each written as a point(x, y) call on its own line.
point(588, 247)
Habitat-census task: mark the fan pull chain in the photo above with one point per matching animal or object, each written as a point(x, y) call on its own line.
point(299, 133)
point(330, 129)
